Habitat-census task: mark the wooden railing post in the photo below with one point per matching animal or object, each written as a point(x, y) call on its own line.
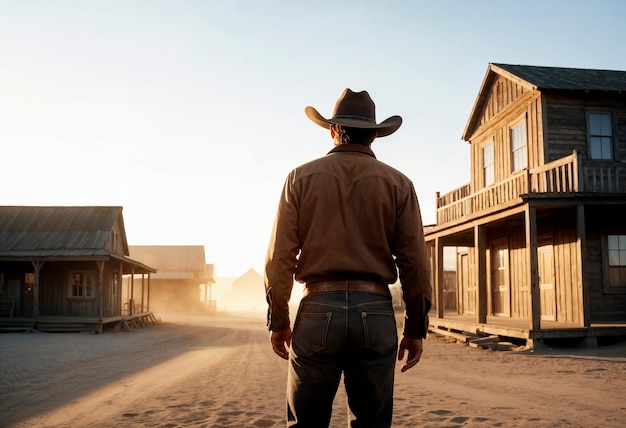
point(579, 185)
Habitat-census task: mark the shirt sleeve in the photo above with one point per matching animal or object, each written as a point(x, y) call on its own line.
point(413, 266)
point(281, 259)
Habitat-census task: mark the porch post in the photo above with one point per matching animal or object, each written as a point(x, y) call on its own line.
point(119, 289)
point(100, 289)
point(581, 249)
point(480, 244)
point(143, 290)
point(131, 303)
point(148, 297)
point(533, 264)
point(438, 277)
point(37, 264)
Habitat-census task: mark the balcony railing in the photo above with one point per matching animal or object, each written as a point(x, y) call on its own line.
point(565, 175)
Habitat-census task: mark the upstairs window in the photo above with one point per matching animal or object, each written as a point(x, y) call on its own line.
point(616, 246)
point(519, 159)
point(600, 126)
point(488, 165)
point(82, 285)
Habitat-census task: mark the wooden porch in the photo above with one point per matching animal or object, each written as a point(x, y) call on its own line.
point(565, 176)
point(77, 324)
point(464, 328)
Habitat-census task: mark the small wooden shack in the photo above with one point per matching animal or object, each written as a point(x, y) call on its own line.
point(542, 222)
point(181, 272)
point(61, 267)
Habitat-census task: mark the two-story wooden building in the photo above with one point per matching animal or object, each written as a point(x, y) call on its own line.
point(543, 219)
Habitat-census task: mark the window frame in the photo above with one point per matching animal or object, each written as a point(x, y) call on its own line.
point(606, 278)
point(613, 116)
point(490, 142)
point(84, 295)
point(514, 150)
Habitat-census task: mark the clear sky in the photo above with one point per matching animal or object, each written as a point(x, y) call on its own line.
point(190, 114)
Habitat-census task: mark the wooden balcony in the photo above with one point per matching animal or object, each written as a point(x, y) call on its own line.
point(566, 175)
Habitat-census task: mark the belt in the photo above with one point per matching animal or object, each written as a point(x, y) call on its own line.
point(346, 285)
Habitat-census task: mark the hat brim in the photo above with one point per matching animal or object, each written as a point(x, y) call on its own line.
point(384, 128)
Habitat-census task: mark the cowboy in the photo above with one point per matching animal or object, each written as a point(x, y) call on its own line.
point(346, 226)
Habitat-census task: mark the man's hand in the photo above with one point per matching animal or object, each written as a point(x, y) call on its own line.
point(279, 339)
point(415, 349)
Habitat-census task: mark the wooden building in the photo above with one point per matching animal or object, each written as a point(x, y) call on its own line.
point(62, 267)
point(181, 272)
point(543, 219)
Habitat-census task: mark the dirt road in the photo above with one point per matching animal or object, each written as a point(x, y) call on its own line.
point(220, 371)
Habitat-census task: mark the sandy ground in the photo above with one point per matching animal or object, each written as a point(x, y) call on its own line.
point(219, 371)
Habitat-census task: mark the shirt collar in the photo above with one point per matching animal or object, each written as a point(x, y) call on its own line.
point(357, 148)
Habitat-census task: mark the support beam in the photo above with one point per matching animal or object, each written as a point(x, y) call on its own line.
point(131, 297)
point(37, 264)
point(533, 266)
point(480, 244)
point(583, 283)
point(148, 295)
point(100, 290)
point(438, 277)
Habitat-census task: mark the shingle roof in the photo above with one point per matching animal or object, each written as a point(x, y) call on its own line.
point(570, 79)
point(557, 79)
point(56, 230)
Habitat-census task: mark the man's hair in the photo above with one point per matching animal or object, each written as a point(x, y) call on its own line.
point(347, 135)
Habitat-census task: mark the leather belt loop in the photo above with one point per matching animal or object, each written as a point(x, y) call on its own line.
point(352, 285)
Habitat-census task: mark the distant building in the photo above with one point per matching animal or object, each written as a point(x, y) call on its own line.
point(247, 293)
point(181, 273)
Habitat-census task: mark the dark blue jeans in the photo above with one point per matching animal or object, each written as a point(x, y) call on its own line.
point(344, 332)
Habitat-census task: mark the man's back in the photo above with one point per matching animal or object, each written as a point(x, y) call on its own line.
point(349, 205)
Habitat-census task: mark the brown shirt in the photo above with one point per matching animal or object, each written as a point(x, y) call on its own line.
point(348, 216)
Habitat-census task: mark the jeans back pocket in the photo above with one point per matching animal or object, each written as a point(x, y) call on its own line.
point(379, 329)
point(310, 333)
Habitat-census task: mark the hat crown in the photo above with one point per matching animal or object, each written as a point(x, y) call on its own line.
point(355, 105)
point(355, 110)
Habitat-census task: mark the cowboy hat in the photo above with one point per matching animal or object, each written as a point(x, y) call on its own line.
point(355, 110)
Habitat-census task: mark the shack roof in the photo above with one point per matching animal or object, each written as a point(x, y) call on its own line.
point(174, 261)
point(61, 232)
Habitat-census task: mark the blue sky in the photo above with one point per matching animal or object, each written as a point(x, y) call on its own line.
point(190, 114)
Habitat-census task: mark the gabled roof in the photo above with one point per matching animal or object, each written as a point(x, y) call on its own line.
point(558, 79)
point(566, 79)
point(249, 278)
point(58, 230)
point(173, 261)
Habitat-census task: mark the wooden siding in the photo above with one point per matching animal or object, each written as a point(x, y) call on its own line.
point(503, 93)
point(568, 284)
point(501, 113)
point(520, 281)
point(604, 305)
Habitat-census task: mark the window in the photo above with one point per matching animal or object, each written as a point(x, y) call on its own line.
point(488, 164)
point(29, 282)
point(616, 246)
point(519, 159)
point(82, 285)
point(600, 127)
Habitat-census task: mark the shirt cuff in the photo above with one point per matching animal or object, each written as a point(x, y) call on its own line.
point(416, 321)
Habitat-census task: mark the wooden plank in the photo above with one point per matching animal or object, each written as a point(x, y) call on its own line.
point(531, 248)
point(480, 239)
point(439, 277)
point(581, 249)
